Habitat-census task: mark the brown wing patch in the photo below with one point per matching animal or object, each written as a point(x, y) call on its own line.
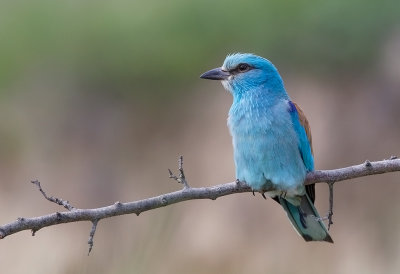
point(310, 189)
point(305, 124)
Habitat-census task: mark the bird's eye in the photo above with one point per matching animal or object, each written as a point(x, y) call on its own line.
point(243, 67)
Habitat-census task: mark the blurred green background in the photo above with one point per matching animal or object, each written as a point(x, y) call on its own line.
point(99, 98)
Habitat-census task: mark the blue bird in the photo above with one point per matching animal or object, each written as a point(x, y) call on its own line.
point(271, 139)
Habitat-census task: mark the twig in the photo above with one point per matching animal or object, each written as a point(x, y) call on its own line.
point(330, 213)
point(181, 179)
point(91, 235)
point(213, 192)
point(329, 216)
point(56, 200)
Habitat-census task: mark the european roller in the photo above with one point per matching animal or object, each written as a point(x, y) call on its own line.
point(271, 139)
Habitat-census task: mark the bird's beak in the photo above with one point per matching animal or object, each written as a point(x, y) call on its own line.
point(215, 74)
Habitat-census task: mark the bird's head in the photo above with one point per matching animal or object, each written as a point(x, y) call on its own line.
point(242, 72)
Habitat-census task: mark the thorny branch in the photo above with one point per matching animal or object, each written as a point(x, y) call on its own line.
point(187, 193)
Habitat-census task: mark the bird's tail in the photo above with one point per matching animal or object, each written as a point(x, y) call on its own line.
point(305, 219)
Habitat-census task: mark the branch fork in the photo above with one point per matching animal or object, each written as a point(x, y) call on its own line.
point(181, 177)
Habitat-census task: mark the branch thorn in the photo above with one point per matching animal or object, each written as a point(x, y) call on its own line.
point(91, 235)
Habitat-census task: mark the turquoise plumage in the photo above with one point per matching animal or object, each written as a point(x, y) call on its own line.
point(271, 139)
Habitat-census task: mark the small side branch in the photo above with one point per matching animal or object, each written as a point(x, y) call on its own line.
point(213, 192)
point(52, 199)
point(91, 235)
point(330, 213)
point(181, 177)
point(329, 216)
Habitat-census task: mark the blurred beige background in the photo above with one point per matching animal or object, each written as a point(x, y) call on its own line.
point(98, 100)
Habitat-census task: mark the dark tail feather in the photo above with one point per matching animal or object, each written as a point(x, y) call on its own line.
point(305, 219)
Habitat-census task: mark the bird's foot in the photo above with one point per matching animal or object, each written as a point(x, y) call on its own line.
point(263, 195)
point(261, 192)
point(283, 194)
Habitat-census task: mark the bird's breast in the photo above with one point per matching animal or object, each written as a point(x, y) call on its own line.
point(265, 146)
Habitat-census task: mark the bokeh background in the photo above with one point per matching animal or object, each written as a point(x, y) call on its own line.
point(99, 98)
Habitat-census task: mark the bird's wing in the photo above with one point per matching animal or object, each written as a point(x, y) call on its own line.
point(303, 131)
point(304, 123)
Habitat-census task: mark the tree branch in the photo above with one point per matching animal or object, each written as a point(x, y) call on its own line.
point(187, 193)
point(351, 172)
